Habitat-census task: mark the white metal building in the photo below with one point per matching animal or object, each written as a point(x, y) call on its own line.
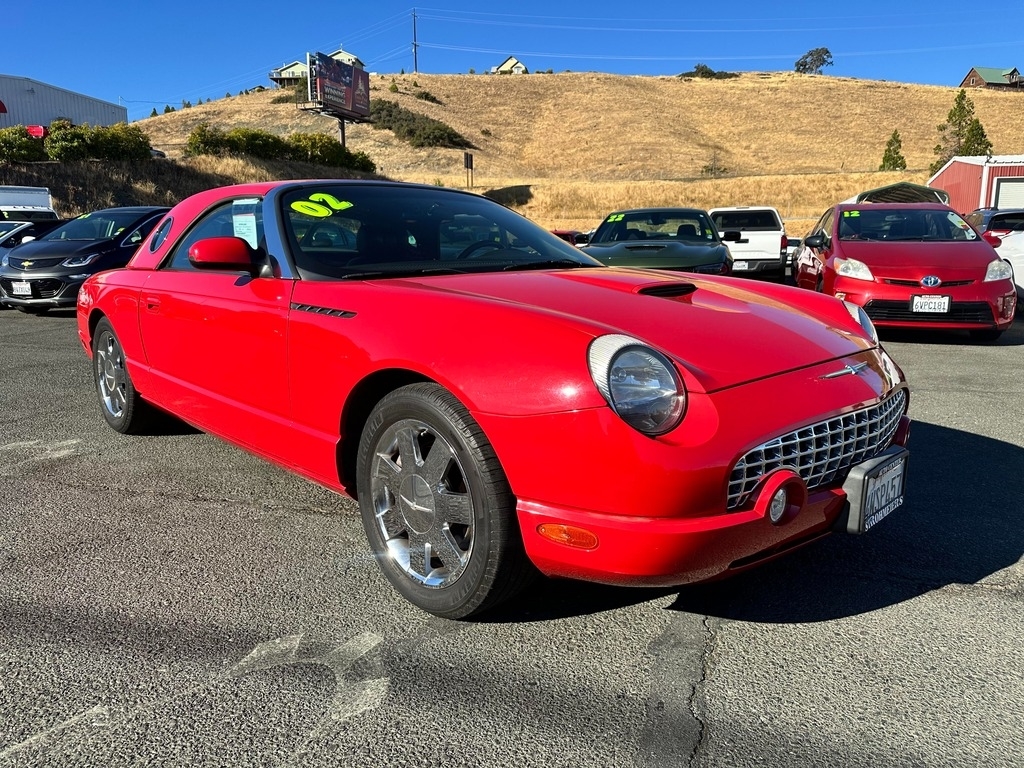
point(30, 102)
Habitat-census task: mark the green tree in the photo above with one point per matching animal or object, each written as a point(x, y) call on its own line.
point(961, 134)
point(812, 62)
point(168, 109)
point(153, 113)
point(17, 146)
point(892, 158)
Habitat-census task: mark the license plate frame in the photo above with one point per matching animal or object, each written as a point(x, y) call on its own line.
point(876, 488)
point(741, 266)
point(930, 304)
point(21, 288)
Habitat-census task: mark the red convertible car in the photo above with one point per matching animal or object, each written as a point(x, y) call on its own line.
point(498, 402)
point(910, 265)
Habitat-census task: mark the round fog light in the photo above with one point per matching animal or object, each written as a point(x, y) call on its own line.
point(778, 505)
point(782, 496)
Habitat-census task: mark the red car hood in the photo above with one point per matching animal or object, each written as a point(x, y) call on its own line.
point(913, 259)
point(719, 329)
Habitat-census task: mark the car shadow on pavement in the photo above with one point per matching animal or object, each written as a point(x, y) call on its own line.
point(961, 525)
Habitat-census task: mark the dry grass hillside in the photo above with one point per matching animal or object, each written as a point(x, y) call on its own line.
point(577, 145)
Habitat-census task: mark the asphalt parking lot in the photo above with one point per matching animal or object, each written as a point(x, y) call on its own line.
point(169, 600)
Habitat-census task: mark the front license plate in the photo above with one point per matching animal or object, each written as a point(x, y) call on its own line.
point(21, 288)
point(876, 488)
point(739, 265)
point(929, 304)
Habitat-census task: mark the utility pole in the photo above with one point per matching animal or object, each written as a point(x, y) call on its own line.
point(415, 45)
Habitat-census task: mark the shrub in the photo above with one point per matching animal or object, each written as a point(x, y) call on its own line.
point(255, 143)
point(205, 140)
point(704, 71)
point(321, 149)
point(428, 96)
point(67, 142)
point(118, 142)
point(419, 130)
point(16, 146)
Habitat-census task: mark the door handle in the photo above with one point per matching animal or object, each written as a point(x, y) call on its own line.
point(152, 303)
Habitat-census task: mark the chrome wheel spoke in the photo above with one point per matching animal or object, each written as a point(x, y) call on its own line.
point(454, 508)
point(436, 464)
point(419, 556)
point(444, 548)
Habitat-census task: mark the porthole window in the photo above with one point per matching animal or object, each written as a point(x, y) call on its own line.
point(160, 235)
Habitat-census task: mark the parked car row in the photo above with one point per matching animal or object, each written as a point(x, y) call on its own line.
point(908, 264)
point(45, 269)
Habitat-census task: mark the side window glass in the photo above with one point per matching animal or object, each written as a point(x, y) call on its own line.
point(139, 233)
point(160, 235)
point(236, 218)
point(826, 225)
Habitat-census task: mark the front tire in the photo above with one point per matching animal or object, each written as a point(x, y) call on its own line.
point(436, 506)
point(121, 405)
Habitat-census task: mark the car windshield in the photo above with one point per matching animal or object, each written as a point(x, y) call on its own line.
point(6, 227)
point(903, 224)
point(366, 230)
point(94, 226)
point(683, 224)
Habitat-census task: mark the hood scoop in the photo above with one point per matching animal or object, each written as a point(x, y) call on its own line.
point(668, 290)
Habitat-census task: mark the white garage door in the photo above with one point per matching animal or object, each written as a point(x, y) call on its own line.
point(1009, 193)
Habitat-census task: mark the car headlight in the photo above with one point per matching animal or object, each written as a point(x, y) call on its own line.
point(858, 270)
point(857, 313)
point(998, 270)
point(80, 261)
point(4, 261)
point(640, 384)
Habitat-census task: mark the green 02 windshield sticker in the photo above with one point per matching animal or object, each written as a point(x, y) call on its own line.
point(320, 204)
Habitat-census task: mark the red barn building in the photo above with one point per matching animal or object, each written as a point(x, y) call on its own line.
point(984, 181)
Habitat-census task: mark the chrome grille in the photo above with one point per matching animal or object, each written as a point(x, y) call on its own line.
point(820, 452)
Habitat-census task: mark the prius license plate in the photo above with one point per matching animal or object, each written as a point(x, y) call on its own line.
point(929, 304)
point(21, 288)
point(876, 488)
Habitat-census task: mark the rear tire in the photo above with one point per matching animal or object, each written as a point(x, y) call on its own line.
point(121, 405)
point(436, 506)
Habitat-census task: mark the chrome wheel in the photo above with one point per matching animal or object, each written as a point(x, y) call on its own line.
point(120, 403)
point(111, 377)
point(436, 506)
point(422, 505)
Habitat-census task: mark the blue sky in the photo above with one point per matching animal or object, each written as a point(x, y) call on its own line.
point(145, 55)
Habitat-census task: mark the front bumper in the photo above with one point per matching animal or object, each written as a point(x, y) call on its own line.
point(44, 290)
point(657, 508)
point(890, 305)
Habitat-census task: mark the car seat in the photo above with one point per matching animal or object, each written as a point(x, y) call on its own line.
point(380, 244)
point(687, 230)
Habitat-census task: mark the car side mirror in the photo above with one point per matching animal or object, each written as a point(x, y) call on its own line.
point(994, 240)
point(582, 238)
point(230, 253)
point(732, 236)
point(814, 241)
point(30, 238)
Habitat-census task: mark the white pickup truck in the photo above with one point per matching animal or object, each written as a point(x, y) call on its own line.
point(761, 246)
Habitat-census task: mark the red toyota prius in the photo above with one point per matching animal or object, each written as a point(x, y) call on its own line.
point(499, 402)
point(912, 265)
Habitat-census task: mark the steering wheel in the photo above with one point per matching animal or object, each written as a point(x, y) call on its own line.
point(479, 245)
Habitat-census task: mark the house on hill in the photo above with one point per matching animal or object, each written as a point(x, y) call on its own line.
point(510, 66)
point(992, 77)
point(298, 71)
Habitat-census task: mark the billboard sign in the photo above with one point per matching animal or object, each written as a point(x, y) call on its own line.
point(340, 89)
